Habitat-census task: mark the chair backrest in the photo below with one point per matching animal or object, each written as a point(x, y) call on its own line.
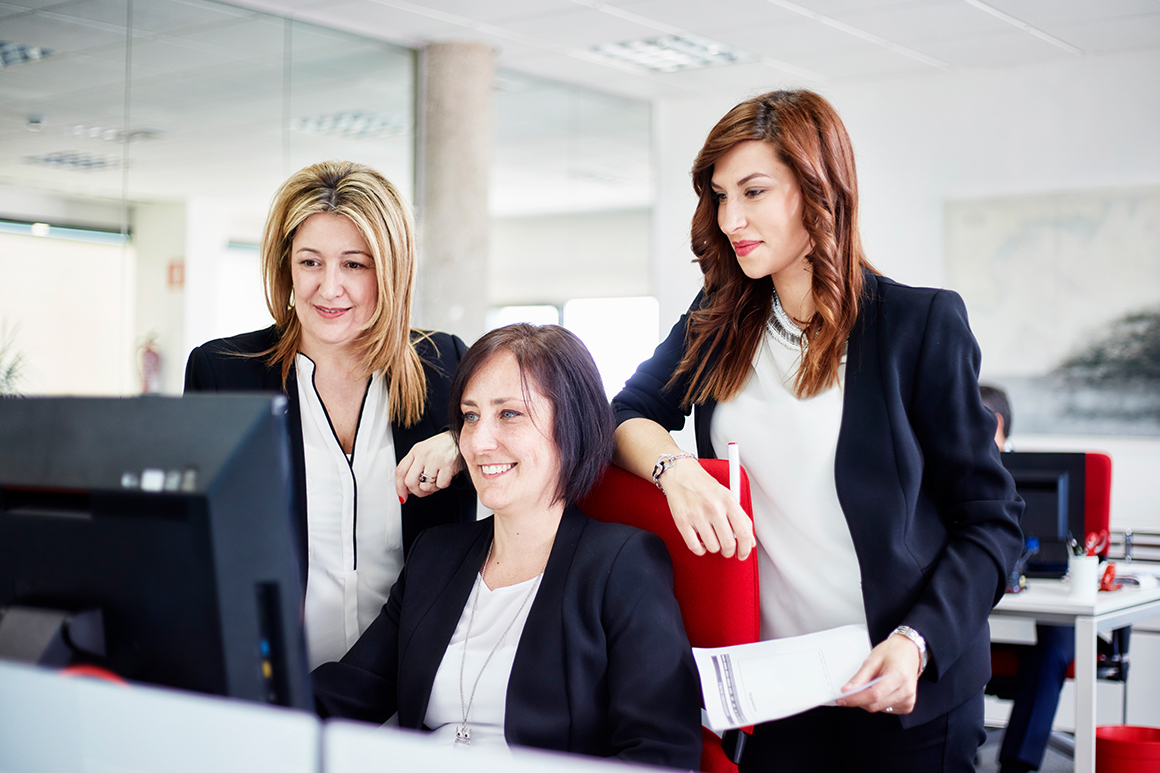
point(1097, 494)
point(719, 597)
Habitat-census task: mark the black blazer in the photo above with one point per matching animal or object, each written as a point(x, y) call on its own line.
point(216, 367)
point(603, 666)
point(933, 514)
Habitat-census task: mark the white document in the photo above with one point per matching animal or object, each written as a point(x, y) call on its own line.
point(751, 683)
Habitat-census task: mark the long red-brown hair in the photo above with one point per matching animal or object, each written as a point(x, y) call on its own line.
point(723, 335)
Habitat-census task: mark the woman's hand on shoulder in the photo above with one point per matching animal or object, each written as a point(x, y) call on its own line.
point(897, 661)
point(428, 467)
point(706, 513)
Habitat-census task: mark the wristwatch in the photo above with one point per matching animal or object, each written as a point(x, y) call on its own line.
point(919, 642)
point(664, 462)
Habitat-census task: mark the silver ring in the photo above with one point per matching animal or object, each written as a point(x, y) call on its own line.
point(423, 478)
point(889, 709)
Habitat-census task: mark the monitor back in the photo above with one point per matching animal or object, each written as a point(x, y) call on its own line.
point(172, 516)
point(1053, 486)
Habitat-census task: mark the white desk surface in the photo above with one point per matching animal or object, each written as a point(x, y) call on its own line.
point(50, 723)
point(354, 747)
point(1050, 601)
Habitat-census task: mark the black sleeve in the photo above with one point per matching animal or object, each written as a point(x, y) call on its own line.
point(654, 690)
point(199, 375)
point(963, 474)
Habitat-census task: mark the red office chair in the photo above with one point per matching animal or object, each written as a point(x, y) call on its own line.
point(1113, 656)
point(718, 596)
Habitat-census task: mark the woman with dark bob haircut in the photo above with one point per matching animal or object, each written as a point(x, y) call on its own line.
point(878, 495)
point(537, 626)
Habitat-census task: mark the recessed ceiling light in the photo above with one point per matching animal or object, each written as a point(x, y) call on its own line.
point(672, 53)
point(353, 124)
point(77, 161)
point(17, 53)
point(114, 135)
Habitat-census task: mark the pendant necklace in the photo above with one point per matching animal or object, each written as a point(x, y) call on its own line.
point(463, 732)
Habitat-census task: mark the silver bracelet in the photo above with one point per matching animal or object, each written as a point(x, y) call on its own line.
point(664, 462)
point(919, 642)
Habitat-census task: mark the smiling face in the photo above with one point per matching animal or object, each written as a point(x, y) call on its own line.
point(759, 208)
point(335, 289)
point(506, 440)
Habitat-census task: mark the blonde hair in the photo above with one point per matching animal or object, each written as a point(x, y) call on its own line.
point(383, 218)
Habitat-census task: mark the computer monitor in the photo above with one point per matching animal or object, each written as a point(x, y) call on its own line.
point(165, 521)
point(1052, 485)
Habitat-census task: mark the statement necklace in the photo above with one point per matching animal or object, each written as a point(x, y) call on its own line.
point(463, 732)
point(781, 327)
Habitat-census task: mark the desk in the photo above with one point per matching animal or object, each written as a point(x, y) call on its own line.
point(1050, 601)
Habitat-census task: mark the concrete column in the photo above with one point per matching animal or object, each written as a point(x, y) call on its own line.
point(452, 172)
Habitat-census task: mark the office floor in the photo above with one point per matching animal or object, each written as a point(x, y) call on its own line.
point(1053, 761)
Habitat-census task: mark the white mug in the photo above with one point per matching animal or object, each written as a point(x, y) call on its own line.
point(1084, 573)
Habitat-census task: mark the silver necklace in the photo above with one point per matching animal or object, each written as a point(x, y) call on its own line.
point(463, 732)
point(782, 327)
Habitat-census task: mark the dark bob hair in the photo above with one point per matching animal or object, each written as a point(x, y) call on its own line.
point(561, 368)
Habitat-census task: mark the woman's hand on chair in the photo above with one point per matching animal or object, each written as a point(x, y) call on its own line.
point(428, 467)
point(706, 513)
point(897, 661)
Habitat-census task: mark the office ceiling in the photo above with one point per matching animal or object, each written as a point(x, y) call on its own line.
point(811, 42)
point(208, 113)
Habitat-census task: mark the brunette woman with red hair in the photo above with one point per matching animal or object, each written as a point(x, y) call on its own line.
point(879, 497)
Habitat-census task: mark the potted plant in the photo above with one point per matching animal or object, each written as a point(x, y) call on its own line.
point(11, 362)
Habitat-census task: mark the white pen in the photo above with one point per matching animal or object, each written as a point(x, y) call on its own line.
point(735, 471)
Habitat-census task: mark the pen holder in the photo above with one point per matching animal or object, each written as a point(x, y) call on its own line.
point(1084, 573)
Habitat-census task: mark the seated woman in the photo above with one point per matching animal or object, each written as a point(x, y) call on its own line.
point(537, 626)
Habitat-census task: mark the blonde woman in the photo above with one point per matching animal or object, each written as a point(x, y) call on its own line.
point(373, 463)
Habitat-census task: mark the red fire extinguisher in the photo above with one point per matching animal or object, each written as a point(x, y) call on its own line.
point(150, 366)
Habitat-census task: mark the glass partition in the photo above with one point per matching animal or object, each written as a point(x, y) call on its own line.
point(164, 126)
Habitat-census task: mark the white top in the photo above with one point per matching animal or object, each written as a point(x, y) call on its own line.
point(495, 609)
point(354, 520)
point(809, 574)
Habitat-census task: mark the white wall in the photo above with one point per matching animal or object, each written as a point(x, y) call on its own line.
point(72, 307)
point(554, 258)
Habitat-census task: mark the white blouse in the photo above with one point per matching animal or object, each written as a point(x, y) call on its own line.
point(354, 520)
point(494, 611)
point(809, 574)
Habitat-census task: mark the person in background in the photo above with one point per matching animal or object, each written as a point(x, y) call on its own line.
point(536, 626)
point(996, 401)
point(878, 496)
point(1042, 667)
point(373, 461)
